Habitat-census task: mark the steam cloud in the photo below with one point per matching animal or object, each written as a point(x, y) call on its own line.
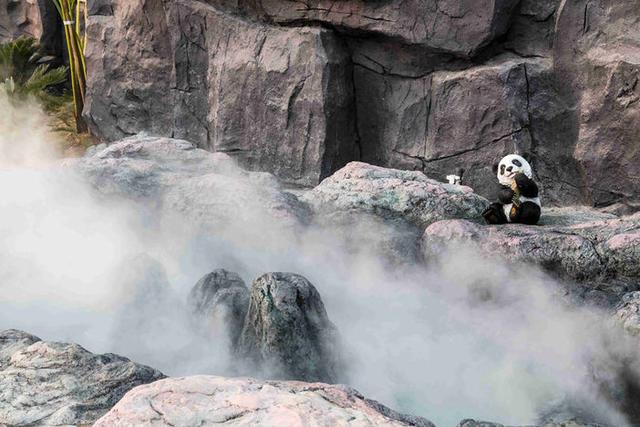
point(465, 337)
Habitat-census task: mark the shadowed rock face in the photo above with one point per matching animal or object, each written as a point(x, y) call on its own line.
point(220, 301)
point(597, 49)
point(206, 400)
point(287, 333)
point(49, 383)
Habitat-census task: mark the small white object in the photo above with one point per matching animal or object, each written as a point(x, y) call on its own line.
point(68, 22)
point(454, 179)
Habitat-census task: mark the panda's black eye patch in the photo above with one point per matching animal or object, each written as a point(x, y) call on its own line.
point(502, 169)
point(516, 162)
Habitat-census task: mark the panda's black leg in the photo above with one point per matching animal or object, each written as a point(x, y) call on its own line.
point(494, 214)
point(528, 213)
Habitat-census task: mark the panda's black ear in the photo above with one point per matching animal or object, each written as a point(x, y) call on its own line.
point(527, 156)
point(495, 167)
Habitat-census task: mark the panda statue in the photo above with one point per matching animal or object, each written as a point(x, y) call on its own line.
point(518, 196)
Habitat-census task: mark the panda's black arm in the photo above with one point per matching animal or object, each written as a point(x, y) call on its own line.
point(526, 185)
point(505, 195)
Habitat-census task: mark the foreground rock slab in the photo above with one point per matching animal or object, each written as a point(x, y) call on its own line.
point(208, 400)
point(54, 384)
point(287, 333)
point(474, 423)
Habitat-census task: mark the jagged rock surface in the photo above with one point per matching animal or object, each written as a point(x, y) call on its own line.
point(55, 384)
point(205, 400)
point(287, 333)
point(220, 300)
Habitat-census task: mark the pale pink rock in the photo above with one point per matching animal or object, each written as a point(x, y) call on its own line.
point(207, 400)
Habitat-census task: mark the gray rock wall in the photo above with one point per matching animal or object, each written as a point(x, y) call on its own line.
point(301, 88)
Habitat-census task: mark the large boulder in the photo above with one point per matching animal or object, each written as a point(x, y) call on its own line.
point(287, 333)
point(176, 176)
point(385, 211)
point(55, 384)
point(19, 18)
point(207, 400)
point(393, 195)
point(186, 69)
point(220, 301)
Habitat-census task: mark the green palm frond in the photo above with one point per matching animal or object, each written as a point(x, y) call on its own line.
point(24, 76)
point(43, 77)
point(18, 59)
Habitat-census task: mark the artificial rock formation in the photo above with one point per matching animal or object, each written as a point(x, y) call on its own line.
point(220, 301)
point(287, 109)
point(300, 88)
point(19, 18)
point(207, 400)
point(287, 333)
point(54, 384)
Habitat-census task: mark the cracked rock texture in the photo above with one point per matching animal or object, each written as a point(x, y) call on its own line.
point(19, 18)
point(301, 88)
point(208, 400)
point(287, 333)
point(56, 384)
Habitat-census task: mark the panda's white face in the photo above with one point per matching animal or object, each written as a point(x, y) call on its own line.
point(512, 165)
